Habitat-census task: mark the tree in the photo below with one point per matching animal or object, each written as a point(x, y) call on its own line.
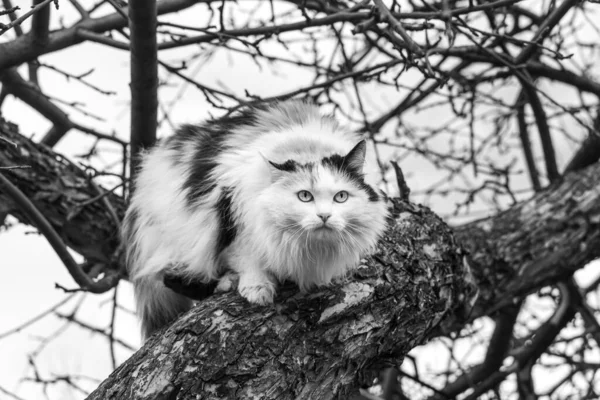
point(489, 75)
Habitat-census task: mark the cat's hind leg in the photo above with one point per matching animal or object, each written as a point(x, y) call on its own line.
point(227, 282)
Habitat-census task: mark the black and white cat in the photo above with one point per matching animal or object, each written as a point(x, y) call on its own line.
point(275, 192)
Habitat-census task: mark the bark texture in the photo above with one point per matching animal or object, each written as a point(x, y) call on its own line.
point(327, 343)
point(320, 345)
point(62, 192)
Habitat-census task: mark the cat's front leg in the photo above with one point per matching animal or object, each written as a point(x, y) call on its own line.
point(256, 285)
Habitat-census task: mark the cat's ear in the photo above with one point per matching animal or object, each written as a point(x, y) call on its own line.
point(355, 159)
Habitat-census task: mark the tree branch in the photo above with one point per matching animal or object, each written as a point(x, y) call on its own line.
point(40, 22)
point(42, 224)
point(531, 351)
point(144, 77)
point(13, 16)
point(497, 349)
point(526, 143)
point(41, 5)
point(555, 237)
point(31, 95)
point(22, 50)
point(543, 129)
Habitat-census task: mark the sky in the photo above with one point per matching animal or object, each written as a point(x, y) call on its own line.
point(30, 269)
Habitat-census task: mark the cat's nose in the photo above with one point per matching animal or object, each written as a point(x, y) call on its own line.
point(324, 216)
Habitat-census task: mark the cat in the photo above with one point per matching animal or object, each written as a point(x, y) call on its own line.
point(272, 193)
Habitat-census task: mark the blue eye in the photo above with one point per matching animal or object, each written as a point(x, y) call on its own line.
point(305, 196)
point(341, 197)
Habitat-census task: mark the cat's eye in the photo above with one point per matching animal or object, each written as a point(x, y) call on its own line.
point(305, 196)
point(341, 197)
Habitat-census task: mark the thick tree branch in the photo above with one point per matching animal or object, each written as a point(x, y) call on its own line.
point(23, 50)
point(535, 243)
point(40, 23)
point(589, 152)
point(61, 191)
point(321, 345)
point(144, 77)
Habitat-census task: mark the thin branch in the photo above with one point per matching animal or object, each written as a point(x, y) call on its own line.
point(544, 29)
point(543, 129)
point(102, 39)
point(396, 25)
point(20, 50)
point(42, 224)
point(592, 324)
point(18, 21)
point(526, 143)
point(82, 11)
point(496, 352)
point(33, 320)
point(13, 16)
point(534, 348)
point(71, 318)
point(11, 394)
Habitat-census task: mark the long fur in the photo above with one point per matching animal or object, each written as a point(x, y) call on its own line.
point(224, 195)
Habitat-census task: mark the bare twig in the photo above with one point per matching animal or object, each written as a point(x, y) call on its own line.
point(12, 15)
point(38, 317)
point(38, 8)
point(387, 16)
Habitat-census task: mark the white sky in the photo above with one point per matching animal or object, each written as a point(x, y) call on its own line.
point(29, 266)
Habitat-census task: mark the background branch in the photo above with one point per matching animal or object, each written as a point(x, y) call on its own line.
point(144, 77)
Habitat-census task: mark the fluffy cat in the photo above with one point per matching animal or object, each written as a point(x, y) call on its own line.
point(275, 192)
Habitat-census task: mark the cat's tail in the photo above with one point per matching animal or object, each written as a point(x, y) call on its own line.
point(157, 305)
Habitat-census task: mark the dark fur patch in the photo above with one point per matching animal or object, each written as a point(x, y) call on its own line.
point(288, 166)
point(338, 163)
point(227, 228)
point(207, 140)
point(373, 196)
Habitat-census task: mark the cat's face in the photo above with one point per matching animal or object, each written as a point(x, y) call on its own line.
point(326, 200)
point(318, 200)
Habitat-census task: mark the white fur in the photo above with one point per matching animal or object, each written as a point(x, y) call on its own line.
point(278, 236)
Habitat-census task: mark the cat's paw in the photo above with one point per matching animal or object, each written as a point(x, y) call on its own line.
point(227, 282)
point(258, 294)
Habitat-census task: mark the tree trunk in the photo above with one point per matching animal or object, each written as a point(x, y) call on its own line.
point(325, 344)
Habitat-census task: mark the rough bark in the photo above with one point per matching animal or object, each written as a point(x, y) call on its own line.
point(62, 192)
point(325, 344)
point(320, 345)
